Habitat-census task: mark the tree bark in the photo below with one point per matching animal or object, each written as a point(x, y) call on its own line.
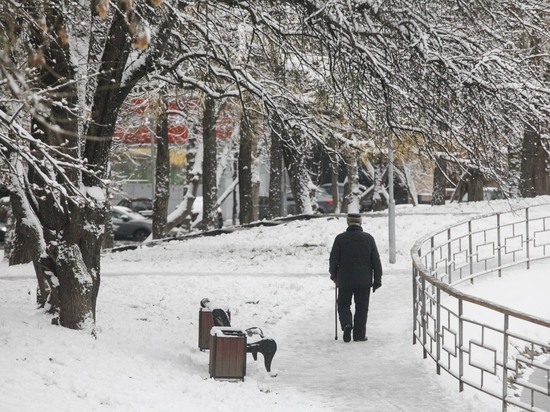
point(182, 214)
point(255, 172)
point(210, 165)
point(440, 182)
point(293, 154)
point(67, 269)
point(475, 185)
point(351, 190)
point(162, 173)
point(275, 200)
point(535, 176)
point(334, 189)
point(245, 172)
point(513, 181)
point(379, 201)
point(107, 97)
point(61, 231)
point(109, 237)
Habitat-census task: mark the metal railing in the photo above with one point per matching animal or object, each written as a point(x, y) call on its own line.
point(496, 349)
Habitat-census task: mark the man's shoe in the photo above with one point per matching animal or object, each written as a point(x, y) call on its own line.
point(361, 339)
point(347, 333)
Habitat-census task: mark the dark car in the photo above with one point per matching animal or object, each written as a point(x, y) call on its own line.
point(4, 213)
point(325, 204)
point(401, 195)
point(3, 229)
point(128, 224)
point(141, 205)
point(365, 203)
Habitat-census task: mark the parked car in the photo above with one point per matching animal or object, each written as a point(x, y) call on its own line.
point(141, 205)
point(489, 193)
point(365, 203)
point(3, 229)
point(493, 193)
point(4, 213)
point(325, 204)
point(128, 224)
point(4, 208)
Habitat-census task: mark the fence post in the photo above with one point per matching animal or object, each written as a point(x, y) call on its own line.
point(432, 260)
point(460, 344)
point(499, 245)
point(527, 238)
point(470, 250)
point(437, 331)
point(505, 364)
point(449, 256)
point(423, 316)
point(415, 300)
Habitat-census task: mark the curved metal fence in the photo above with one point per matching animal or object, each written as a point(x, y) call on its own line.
point(496, 349)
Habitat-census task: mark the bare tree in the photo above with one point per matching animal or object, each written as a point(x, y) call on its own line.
point(209, 181)
point(57, 180)
point(440, 181)
point(535, 163)
point(407, 67)
point(162, 171)
point(246, 148)
point(276, 171)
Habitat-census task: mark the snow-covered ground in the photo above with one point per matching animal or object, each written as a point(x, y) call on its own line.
point(146, 355)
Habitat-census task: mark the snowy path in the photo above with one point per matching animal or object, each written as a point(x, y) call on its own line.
point(387, 373)
point(146, 356)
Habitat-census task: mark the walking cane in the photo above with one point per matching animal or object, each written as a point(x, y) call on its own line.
point(335, 312)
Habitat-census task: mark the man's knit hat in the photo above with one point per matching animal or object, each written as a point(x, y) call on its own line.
point(354, 219)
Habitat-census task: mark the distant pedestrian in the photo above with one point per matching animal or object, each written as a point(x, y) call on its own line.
point(220, 218)
point(355, 267)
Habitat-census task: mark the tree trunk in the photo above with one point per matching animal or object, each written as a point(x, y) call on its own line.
point(68, 272)
point(210, 165)
point(47, 295)
point(275, 201)
point(236, 194)
point(62, 200)
point(182, 214)
point(245, 173)
point(107, 100)
point(293, 154)
point(109, 237)
point(334, 188)
point(409, 183)
point(513, 181)
point(254, 163)
point(68, 267)
point(475, 185)
point(528, 162)
point(162, 174)
point(535, 176)
point(379, 201)
point(440, 182)
point(352, 193)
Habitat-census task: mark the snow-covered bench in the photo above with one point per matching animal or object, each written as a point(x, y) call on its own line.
point(256, 342)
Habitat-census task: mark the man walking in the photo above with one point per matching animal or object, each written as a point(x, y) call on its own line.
point(355, 267)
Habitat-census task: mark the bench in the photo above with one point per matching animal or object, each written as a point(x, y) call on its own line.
point(256, 343)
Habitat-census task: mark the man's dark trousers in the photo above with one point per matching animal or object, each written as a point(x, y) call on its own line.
point(361, 298)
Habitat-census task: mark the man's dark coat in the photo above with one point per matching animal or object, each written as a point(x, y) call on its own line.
point(354, 260)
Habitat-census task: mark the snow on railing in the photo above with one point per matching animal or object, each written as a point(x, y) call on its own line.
point(490, 347)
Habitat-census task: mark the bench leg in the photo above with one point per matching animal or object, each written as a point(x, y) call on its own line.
point(266, 347)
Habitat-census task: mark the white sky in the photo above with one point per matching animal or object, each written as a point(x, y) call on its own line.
point(146, 357)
